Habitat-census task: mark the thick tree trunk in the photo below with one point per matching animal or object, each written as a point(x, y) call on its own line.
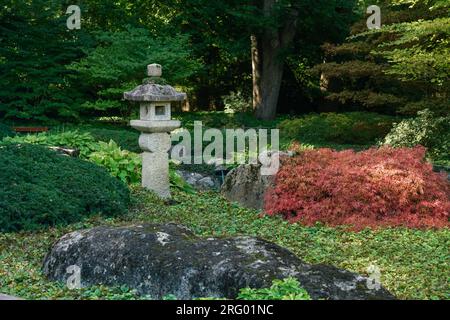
point(267, 76)
point(268, 64)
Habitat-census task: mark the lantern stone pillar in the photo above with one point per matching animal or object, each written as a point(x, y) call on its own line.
point(155, 125)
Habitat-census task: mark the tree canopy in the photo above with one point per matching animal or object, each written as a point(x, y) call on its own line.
point(264, 49)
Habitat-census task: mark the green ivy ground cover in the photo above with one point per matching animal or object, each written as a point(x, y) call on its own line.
point(414, 263)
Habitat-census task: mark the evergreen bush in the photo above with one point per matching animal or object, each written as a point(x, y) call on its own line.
point(40, 188)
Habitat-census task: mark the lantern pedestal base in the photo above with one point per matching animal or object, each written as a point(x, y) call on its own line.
point(155, 173)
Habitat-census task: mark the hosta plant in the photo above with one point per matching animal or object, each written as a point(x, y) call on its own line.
point(122, 164)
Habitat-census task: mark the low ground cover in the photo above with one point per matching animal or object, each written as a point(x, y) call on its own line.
point(413, 263)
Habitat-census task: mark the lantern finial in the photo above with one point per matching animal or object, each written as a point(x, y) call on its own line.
point(154, 70)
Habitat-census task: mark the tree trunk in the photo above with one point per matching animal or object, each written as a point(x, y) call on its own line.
point(267, 76)
point(268, 63)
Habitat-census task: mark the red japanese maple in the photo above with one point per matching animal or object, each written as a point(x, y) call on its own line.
point(377, 187)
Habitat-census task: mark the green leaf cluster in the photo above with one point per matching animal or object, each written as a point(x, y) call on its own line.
point(69, 139)
point(286, 289)
point(122, 164)
point(35, 47)
point(352, 128)
point(428, 130)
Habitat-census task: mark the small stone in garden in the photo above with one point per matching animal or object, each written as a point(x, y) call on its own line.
point(75, 153)
point(171, 202)
point(206, 182)
point(199, 181)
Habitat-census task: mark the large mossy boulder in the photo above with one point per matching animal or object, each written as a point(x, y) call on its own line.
point(40, 187)
point(158, 260)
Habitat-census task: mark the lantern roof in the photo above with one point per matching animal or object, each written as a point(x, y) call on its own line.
point(153, 92)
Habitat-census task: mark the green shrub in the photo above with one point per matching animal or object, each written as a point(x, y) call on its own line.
point(236, 102)
point(125, 139)
point(438, 106)
point(39, 187)
point(70, 139)
point(428, 130)
point(359, 128)
point(287, 289)
point(122, 164)
point(220, 120)
point(5, 131)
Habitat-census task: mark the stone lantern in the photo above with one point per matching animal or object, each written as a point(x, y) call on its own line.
point(155, 125)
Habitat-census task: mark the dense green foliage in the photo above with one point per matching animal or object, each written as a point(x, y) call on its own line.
point(120, 163)
point(428, 130)
point(203, 45)
point(5, 131)
point(52, 75)
point(126, 138)
point(51, 72)
point(413, 263)
point(221, 120)
point(118, 63)
point(40, 188)
point(420, 49)
point(400, 68)
point(221, 30)
point(69, 139)
point(34, 49)
point(81, 137)
point(287, 289)
point(354, 128)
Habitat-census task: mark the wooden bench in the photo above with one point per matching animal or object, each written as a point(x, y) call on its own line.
point(30, 129)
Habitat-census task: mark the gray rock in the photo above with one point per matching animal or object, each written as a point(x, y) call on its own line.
point(199, 181)
point(206, 183)
point(6, 297)
point(158, 260)
point(247, 186)
point(75, 153)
